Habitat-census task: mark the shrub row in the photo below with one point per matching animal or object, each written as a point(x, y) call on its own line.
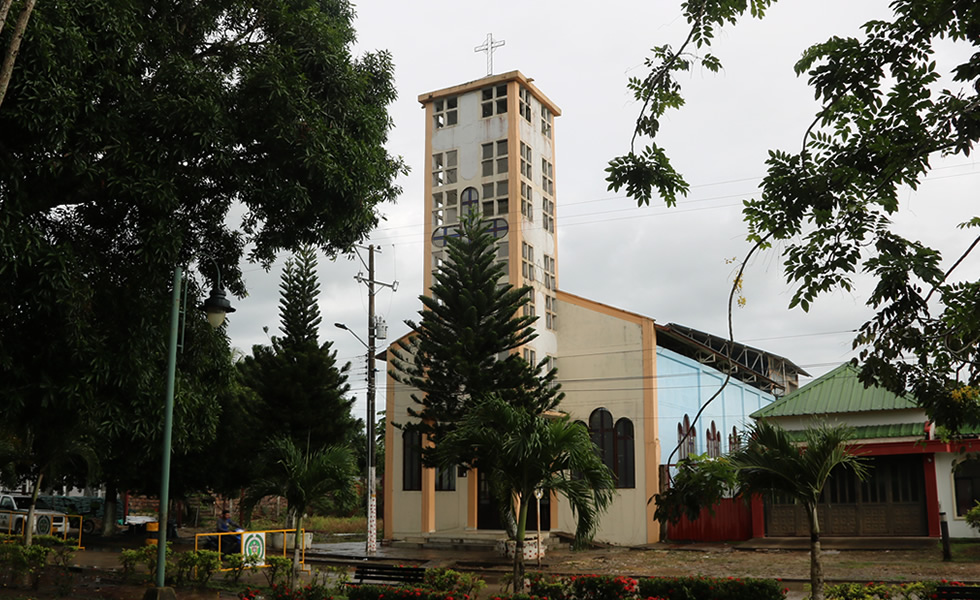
point(608, 587)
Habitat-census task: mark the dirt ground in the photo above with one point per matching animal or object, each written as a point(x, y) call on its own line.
point(717, 561)
point(847, 565)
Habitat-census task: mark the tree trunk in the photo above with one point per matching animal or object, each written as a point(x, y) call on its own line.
point(7, 68)
point(816, 561)
point(519, 544)
point(109, 510)
point(29, 524)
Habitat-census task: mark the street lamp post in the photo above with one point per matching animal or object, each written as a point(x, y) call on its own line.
point(217, 305)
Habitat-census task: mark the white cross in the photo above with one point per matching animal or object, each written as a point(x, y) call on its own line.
point(488, 46)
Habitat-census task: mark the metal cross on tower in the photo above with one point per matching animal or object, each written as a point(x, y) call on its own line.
point(489, 46)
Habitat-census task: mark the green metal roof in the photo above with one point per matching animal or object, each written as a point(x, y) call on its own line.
point(874, 432)
point(838, 391)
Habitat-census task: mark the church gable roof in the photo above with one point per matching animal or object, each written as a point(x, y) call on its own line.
point(838, 391)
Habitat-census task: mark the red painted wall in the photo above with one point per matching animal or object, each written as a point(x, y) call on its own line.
point(732, 521)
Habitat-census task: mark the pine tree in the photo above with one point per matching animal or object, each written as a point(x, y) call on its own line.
point(301, 392)
point(299, 312)
point(463, 348)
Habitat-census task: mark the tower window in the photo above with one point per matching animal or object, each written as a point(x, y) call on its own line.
point(526, 161)
point(494, 158)
point(530, 357)
point(444, 112)
point(548, 213)
point(527, 204)
point(527, 261)
point(546, 120)
point(493, 100)
point(547, 178)
point(550, 308)
point(495, 198)
point(443, 168)
point(550, 281)
point(525, 104)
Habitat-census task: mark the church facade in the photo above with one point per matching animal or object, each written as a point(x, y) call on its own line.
point(636, 384)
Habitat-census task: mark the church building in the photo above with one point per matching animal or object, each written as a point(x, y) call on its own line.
point(636, 384)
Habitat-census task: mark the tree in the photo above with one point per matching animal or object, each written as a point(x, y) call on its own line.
point(521, 451)
point(300, 391)
point(154, 134)
point(453, 355)
point(770, 462)
point(881, 122)
point(302, 477)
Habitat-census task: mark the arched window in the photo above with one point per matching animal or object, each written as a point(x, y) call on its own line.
point(966, 484)
point(687, 438)
point(734, 441)
point(411, 460)
point(603, 436)
point(615, 445)
point(713, 441)
point(625, 477)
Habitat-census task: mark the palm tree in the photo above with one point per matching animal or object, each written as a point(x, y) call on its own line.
point(520, 451)
point(301, 478)
point(773, 462)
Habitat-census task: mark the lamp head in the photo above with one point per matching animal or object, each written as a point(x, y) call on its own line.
point(217, 306)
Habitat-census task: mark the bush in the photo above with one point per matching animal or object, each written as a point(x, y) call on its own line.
point(697, 588)
point(883, 591)
point(973, 516)
point(447, 580)
point(277, 570)
point(238, 564)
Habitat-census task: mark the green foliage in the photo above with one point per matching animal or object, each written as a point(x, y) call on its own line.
point(237, 565)
point(521, 451)
point(34, 560)
point(881, 591)
point(147, 557)
point(197, 566)
point(973, 516)
point(448, 580)
point(130, 133)
point(469, 321)
point(297, 388)
point(883, 119)
point(277, 570)
point(700, 483)
point(695, 588)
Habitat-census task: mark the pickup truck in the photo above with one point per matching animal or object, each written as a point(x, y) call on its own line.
point(46, 522)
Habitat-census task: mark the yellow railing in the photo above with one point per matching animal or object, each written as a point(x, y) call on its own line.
point(65, 529)
point(285, 532)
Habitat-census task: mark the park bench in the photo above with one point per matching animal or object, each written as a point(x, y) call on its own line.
point(957, 592)
point(387, 575)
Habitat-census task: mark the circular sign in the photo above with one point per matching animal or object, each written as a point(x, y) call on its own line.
point(254, 546)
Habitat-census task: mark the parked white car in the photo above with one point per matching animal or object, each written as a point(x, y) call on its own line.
point(46, 522)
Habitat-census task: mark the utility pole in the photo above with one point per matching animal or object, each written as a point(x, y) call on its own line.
point(375, 327)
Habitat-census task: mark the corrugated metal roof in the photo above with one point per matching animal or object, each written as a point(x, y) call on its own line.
point(838, 391)
point(874, 432)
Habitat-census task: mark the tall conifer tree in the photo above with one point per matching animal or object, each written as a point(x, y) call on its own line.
point(302, 393)
point(463, 348)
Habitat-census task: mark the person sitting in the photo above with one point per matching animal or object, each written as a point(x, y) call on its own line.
point(225, 524)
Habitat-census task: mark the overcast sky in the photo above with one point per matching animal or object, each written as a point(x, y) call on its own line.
point(674, 265)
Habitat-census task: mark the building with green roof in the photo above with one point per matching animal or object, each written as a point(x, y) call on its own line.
point(915, 475)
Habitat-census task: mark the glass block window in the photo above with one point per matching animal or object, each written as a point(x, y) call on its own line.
point(444, 112)
point(445, 205)
point(546, 120)
point(493, 100)
point(493, 158)
point(444, 168)
point(525, 107)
